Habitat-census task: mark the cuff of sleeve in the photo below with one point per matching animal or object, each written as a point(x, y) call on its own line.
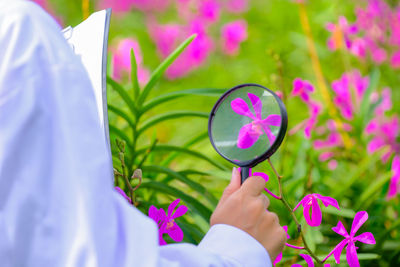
point(231, 242)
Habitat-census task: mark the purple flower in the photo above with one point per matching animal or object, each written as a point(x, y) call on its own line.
point(310, 202)
point(340, 33)
point(350, 239)
point(394, 186)
point(309, 261)
point(385, 132)
point(122, 60)
point(395, 60)
point(249, 133)
point(302, 88)
point(209, 10)
point(349, 85)
point(166, 221)
point(233, 34)
point(123, 194)
point(315, 110)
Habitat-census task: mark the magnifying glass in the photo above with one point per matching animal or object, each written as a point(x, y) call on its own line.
point(247, 125)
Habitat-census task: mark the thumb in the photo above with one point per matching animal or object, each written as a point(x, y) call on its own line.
point(233, 186)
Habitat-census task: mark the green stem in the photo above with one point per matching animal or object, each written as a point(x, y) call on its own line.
point(286, 204)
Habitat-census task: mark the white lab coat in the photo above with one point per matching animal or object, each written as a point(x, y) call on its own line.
point(57, 202)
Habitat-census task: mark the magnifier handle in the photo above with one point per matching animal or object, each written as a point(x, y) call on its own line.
point(244, 172)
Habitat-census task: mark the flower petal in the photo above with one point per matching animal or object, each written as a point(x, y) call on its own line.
point(337, 251)
point(304, 200)
point(339, 229)
point(247, 137)
point(316, 216)
point(175, 232)
point(172, 206)
point(367, 238)
point(359, 220)
point(270, 135)
point(286, 229)
point(328, 201)
point(308, 259)
point(240, 107)
point(179, 211)
point(154, 214)
point(273, 119)
point(351, 255)
point(257, 104)
point(278, 258)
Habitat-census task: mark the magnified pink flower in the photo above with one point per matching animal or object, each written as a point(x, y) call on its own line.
point(166, 222)
point(350, 239)
point(340, 33)
point(122, 60)
point(302, 88)
point(249, 133)
point(123, 194)
point(309, 261)
point(233, 34)
point(394, 186)
point(310, 202)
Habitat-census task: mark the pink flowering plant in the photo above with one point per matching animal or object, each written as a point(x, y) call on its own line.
point(335, 180)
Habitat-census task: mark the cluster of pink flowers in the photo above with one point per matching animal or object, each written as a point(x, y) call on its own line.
point(196, 17)
point(374, 34)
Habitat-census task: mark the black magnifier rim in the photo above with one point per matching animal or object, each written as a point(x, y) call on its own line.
point(278, 140)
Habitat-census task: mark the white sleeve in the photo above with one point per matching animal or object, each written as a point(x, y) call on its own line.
point(57, 203)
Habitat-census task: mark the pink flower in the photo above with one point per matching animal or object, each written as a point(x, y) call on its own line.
point(315, 110)
point(340, 33)
point(166, 222)
point(386, 103)
point(384, 132)
point(309, 261)
point(302, 88)
point(279, 257)
point(122, 60)
point(310, 201)
point(395, 60)
point(249, 133)
point(123, 194)
point(394, 186)
point(349, 84)
point(237, 6)
point(209, 10)
point(350, 239)
point(233, 34)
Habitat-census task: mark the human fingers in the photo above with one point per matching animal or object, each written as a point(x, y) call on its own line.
point(233, 186)
point(253, 186)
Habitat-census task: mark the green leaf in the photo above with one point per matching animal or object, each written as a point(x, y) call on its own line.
point(363, 166)
point(192, 203)
point(134, 77)
point(347, 213)
point(124, 95)
point(170, 148)
point(184, 179)
point(372, 189)
point(159, 71)
point(174, 95)
point(169, 116)
point(122, 114)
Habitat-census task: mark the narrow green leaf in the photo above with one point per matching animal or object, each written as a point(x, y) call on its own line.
point(122, 114)
point(121, 135)
point(170, 148)
point(372, 189)
point(184, 179)
point(134, 77)
point(124, 95)
point(159, 71)
point(347, 213)
point(363, 166)
point(195, 140)
point(192, 203)
point(174, 95)
point(169, 116)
